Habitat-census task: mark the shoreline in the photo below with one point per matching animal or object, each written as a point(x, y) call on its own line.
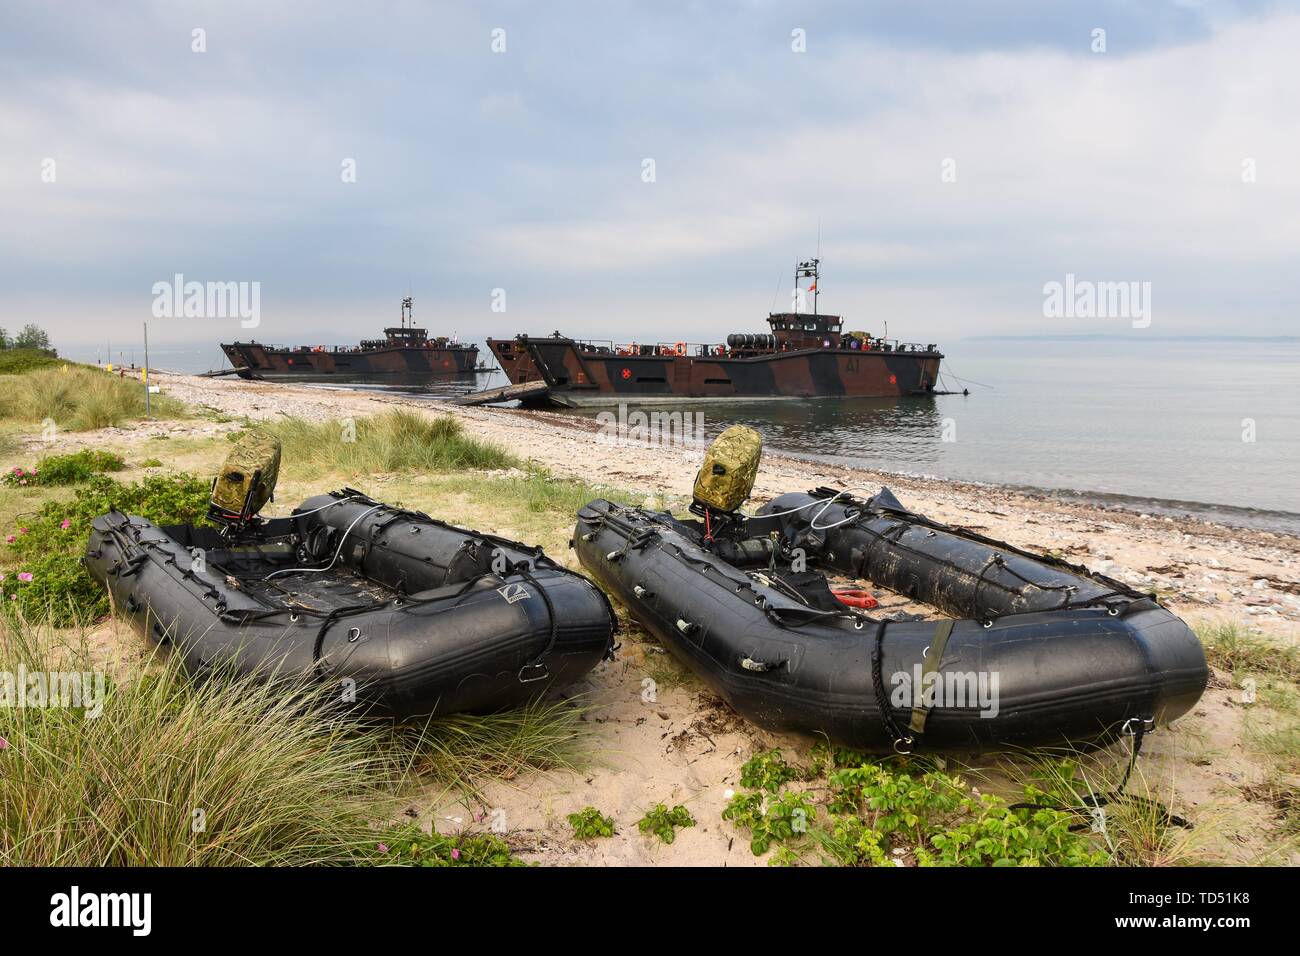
point(1243, 517)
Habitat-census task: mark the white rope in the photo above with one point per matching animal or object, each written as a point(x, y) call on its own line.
point(336, 553)
point(825, 503)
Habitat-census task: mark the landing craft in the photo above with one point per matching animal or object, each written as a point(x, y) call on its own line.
point(405, 352)
point(806, 355)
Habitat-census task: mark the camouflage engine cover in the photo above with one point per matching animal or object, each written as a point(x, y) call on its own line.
point(246, 481)
point(730, 466)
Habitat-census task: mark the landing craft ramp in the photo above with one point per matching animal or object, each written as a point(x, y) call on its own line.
point(524, 391)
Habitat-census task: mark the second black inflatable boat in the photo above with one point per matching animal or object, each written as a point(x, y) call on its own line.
point(1040, 652)
point(406, 615)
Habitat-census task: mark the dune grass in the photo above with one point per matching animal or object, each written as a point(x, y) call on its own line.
point(1136, 827)
point(1230, 646)
point(235, 772)
point(464, 751)
point(174, 774)
point(398, 440)
point(79, 398)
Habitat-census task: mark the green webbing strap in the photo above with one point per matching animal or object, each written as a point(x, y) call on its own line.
point(933, 658)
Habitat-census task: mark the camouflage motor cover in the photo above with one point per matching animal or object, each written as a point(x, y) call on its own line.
point(252, 466)
point(730, 467)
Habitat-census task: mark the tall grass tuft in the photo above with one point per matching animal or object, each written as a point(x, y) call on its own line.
point(466, 750)
point(1137, 827)
point(230, 771)
point(177, 774)
point(1232, 647)
point(398, 440)
point(79, 398)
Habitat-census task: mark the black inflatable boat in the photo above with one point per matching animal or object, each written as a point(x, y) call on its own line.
point(1042, 652)
point(406, 614)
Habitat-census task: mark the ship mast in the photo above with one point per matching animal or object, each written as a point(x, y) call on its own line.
point(804, 270)
point(407, 309)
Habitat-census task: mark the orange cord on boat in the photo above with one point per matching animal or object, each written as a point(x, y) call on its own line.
point(855, 597)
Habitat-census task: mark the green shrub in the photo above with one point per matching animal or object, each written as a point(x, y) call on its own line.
point(888, 812)
point(65, 469)
point(18, 361)
point(589, 823)
point(49, 578)
point(883, 812)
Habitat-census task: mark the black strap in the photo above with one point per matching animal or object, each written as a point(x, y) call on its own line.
point(933, 658)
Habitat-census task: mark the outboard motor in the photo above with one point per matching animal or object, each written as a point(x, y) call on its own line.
point(726, 480)
point(246, 482)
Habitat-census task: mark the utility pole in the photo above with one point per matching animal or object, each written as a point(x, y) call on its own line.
point(144, 372)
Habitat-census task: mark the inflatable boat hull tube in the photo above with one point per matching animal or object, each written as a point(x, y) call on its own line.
point(408, 615)
point(1042, 653)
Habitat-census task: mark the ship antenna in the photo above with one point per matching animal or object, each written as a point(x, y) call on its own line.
point(809, 268)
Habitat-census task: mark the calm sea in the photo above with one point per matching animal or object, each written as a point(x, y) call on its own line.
point(1204, 427)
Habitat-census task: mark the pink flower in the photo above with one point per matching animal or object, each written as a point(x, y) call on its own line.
point(455, 854)
point(383, 848)
point(4, 744)
point(66, 524)
point(22, 530)
point(24, 575)
point(10, 539)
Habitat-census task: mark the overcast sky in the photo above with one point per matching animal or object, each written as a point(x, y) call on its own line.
point(523, 170)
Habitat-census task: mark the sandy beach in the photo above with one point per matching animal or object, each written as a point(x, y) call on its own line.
point(677, 743)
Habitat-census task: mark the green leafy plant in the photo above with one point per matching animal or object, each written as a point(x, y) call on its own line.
point(898, 811)
point(770, 819)
point(589, 823)
point(663, 822)
point(49, 580)
point(995, 835)
point(768, 771)
point(411, 846)
point(65, 469)
point(886, 813)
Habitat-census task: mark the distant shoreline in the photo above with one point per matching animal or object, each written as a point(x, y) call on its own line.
point(1118, 337)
